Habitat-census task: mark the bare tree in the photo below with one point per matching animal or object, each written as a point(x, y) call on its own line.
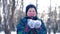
point(0, 23)
point(12, 13)
point(6, 23)
point(55, 24)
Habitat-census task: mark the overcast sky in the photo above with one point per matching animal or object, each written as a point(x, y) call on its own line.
point(42, 4)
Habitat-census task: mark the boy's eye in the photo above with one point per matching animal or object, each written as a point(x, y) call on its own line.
point(33, 11)
point(29, 11)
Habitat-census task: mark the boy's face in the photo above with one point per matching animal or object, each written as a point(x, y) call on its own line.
point(31, 12)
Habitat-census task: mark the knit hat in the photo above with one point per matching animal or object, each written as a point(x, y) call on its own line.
point(30, 6)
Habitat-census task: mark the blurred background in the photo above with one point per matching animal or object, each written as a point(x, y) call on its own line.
point(12, 10)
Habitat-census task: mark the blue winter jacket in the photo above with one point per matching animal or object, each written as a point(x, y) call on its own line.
point(23, 28)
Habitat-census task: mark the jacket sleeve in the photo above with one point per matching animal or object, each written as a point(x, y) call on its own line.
point(20, 27)
point(43, 28)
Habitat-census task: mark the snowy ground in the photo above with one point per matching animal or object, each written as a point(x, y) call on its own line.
point(15, 32)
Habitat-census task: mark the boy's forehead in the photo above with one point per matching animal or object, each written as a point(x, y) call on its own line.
point(31, 9)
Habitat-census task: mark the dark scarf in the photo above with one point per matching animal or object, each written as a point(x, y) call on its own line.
point(34, 18)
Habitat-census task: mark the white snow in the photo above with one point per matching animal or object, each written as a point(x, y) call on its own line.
point(14, 32)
